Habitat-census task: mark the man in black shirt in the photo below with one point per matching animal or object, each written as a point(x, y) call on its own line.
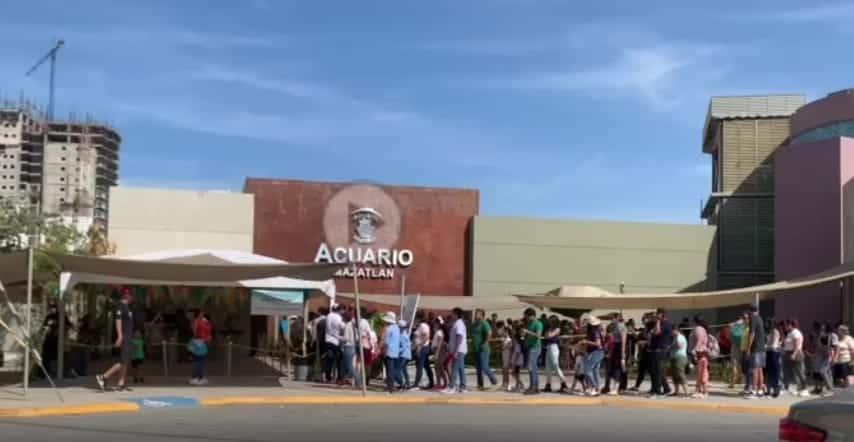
point(660, 342)
point(122, 348)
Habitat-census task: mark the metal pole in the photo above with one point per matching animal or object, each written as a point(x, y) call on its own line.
point(756, 300)
point(50, 105)
point(402, 294)
point(228, 355)
point(364, 369)
point(165, 352)
point(29, 318)
point(60, 357)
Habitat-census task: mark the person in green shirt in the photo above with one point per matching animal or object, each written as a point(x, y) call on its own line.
point(481, 332)
point(533, 343)
point(137, 357)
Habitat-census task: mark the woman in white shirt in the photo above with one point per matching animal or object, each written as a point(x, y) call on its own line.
point(844, 356)
point(793, 358)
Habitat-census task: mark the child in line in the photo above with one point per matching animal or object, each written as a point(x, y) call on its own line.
point(505, 333)
point(518, 361)
point(138, 356)
point(579, 372)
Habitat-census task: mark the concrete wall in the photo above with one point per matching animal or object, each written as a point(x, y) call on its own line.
point(514, 255)
point(149, 220)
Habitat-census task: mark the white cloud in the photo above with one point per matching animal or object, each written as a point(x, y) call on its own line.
point(655, 74)
point(815, 13)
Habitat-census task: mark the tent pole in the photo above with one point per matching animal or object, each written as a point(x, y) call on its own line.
point(402, 294)
point(29, 322)
point(756, 300)
point(364, 369)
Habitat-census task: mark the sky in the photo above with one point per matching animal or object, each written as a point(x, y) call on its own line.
point(561, 109)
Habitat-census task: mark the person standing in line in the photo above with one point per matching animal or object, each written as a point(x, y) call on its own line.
point(773, 361)
point(458, 348)
point(391, 352)
point(660, 343)
point(138, 357)
point(533, 333)
point(643, 350)
point(842, 362)
point(348, 349)
point(595, 353)
point(551, 341)
point(793, 358)
point(202, 336)
point(368, 341)
point(517, 358)
point(440, 353)
point(678, 362)
point(481, 333)
point(506, 335)
point(699, 345)
point(405, 354)
point(422, 352)
point(736, 333)
point(616, 368)
point(756, 350)
point(122, 348)
point(828, 344)
point(334, 329)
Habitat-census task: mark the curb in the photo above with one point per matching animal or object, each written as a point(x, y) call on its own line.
point(71, 410)
point(779, 411)
point(129, 407)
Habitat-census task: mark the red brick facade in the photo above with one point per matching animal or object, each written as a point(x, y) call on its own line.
point(434, 223)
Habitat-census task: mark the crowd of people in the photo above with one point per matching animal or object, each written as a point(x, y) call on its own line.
point(772, 357)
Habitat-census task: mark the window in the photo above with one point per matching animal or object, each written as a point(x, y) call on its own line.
point(63, 147)
point(62, 189)
point(62, 169)
point(63, 158)
point(23, 187)
point(61, 179)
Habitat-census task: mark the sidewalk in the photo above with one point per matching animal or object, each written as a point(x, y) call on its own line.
point(82, 397)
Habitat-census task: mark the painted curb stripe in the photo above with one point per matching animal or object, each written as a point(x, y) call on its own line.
point(78, 410)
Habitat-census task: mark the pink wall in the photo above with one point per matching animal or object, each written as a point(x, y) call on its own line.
point(808, 224)
point(829, 109)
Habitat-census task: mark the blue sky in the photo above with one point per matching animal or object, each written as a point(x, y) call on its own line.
point(551, 108)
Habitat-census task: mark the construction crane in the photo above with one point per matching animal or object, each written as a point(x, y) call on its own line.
point(51, 55)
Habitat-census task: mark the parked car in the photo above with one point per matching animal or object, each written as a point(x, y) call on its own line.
point(829, 419)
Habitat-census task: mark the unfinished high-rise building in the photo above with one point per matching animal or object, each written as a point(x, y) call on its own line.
point(65, 168)
point(742, 134)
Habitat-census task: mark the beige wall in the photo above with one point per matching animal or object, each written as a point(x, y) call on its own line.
point(513, 255)
point(150, 220)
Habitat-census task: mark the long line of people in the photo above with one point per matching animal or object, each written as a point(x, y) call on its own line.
point(773, 358)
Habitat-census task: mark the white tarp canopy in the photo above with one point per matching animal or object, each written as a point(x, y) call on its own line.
point(590, 298)
point(203, 268)
point(445, 303)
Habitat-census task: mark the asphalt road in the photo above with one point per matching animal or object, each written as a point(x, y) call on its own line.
point(400, 424)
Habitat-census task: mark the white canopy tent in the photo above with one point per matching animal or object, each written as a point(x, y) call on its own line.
point(200, 268)
point(590, 298)
point(203, 268)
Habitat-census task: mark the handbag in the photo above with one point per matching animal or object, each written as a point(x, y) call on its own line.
point(197, 347)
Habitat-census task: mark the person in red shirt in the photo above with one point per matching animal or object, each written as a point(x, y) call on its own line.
point(199, 347)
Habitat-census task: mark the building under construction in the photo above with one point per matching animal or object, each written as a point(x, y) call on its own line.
point(64, 167)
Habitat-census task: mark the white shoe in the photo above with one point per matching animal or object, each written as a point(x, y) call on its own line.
point(203, 381)
point(448, 391)
point(804, 393)
point(100, 379)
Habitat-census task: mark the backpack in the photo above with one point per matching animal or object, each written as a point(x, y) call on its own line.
point(714, 347)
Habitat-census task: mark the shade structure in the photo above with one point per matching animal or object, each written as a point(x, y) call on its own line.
point(445, 303)
point(590, 298)
point(203, 268)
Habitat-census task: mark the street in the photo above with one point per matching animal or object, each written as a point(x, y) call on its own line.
point(398, 423)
